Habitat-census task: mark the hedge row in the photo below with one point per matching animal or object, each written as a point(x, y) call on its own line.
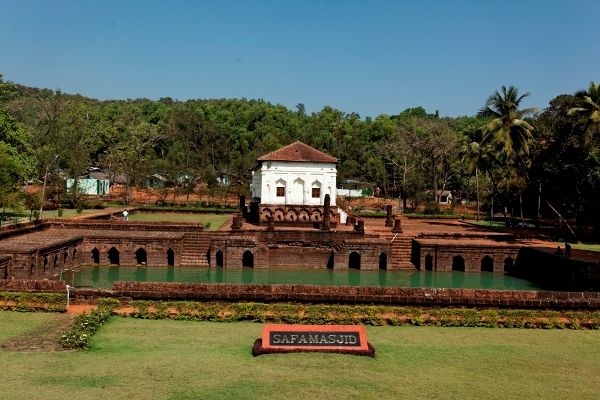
point(199, 210)
point(30, 302)
point(364, 315)
point(79, 335)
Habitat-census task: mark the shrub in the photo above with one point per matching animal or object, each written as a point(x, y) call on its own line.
point(79, 335)
point(207, 225)
point(109, 304)
point(79, 208)
point(60, 212)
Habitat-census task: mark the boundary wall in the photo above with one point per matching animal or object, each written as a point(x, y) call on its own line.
point(424, 297)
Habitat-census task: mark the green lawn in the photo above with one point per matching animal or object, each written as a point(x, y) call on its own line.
point(68, 213)
point(143, 359)
point(581, 246)
point(216, 220)
point(14, 323)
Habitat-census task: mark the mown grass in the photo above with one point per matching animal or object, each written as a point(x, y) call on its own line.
point(139, 359)
point(13, 324)
point(595, 247)
point(216, 221)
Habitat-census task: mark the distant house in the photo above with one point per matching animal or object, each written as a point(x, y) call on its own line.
point(89, 186)
point(156, 181)
point(445, 196)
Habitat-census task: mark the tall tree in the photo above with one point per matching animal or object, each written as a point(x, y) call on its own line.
point(588, 111)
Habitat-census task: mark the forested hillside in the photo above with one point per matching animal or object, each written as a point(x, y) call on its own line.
point(501, 150)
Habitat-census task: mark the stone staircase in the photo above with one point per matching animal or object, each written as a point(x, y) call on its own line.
point(195, 247)
point(401, 252)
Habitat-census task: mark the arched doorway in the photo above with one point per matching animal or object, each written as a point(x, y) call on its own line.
point(170, 258)
point(383, 261)
point(55, 263)
point(45, 264)
point(428, 263)
point(219, 258)
point(458, 264)
point(509, 263)
point(487, 264)
point(75, 251)
point(141, 256)
point(113, 256)
point(248, 259)
point(354, 260)
point(95, 256)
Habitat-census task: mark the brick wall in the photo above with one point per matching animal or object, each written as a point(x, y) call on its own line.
point(127, 291)
point(558, 272)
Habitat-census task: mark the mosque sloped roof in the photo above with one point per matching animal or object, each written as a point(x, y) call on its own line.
point(299, 152)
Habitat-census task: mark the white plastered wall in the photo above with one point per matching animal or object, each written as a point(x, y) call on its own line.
point(298, 178)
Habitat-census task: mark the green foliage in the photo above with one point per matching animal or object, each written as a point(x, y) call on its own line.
point(364, 315)
point(79, 208)
point(79, 335)
point(60, 211)
point(30, 302)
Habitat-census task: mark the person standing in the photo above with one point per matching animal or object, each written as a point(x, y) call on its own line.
point(125, 215)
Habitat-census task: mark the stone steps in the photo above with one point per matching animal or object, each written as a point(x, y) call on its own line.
point(401, 253)
point(194, 249)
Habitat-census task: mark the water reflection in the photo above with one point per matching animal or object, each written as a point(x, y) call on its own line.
point(105, 276)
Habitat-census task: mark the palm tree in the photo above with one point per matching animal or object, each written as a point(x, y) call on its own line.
point(508, 128)
point(589, 111)
point(477, 155)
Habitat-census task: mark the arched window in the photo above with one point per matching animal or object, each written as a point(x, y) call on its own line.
point(170, 258)
point(113, 256)
point(95, 256)
point(487, 264)
point(219, 258)
point(354, 260)
point(428, 263)
point(458, 264)
point(383, 261)
point(509, 263)
point(141, 257)
point(248, 259)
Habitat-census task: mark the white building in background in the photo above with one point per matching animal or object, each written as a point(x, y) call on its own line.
point(296, 174)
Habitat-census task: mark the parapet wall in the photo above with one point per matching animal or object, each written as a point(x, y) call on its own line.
point(557, 271)
point(120, 225)
point(128, 291)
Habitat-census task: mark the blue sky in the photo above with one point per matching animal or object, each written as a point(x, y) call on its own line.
point(357, 56)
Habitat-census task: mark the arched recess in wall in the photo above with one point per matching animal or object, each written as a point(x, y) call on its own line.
point(487, 264)
point(219, 258)
point(428, 263)
point(31, 269)
point(113, 256)
point(248, 259)
point(55, 262)
point(141, 257)
point(354, 260)
point(458, 264)
point(65, 256)
point(298, 195)
point(95, 256)
point(170, 258)
point(509, 263)
point(45, 264)
point(383, 261)
point(75, 252)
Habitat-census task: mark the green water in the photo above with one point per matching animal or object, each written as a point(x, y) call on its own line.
point(103, 277)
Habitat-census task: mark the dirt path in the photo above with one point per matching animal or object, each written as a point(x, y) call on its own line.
point(43, 338)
